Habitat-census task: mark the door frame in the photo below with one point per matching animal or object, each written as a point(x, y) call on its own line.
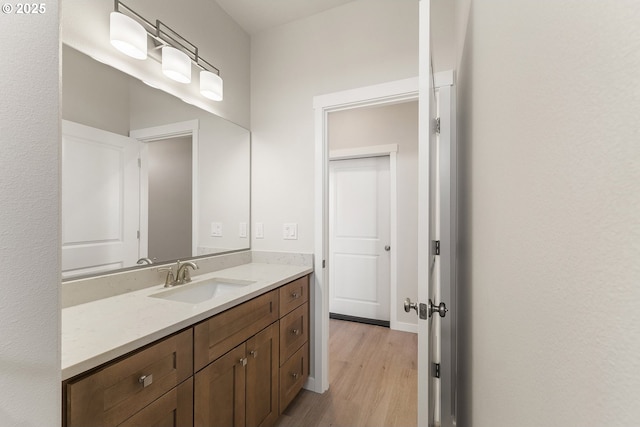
point(391, 151)
point(156, 133)
point(386, 93)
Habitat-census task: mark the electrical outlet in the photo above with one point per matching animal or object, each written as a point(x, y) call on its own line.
point(216, 229)
point(290, 231)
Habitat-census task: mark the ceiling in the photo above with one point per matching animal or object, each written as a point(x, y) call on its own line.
point(257, 15)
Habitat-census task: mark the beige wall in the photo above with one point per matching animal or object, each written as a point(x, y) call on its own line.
point(392, 124)
point(94, 94)
point(362, 43)
point(548, 98)
point(30, 219)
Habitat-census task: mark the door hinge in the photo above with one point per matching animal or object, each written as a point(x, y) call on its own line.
point(139, 162)
point(435, 370)
point(436, 125)
point(324, 263)
point(138, 234)
point(436, 247)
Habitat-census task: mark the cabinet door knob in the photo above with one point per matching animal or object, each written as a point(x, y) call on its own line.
point(295, 375)
point(294, 295)
point(146, 380)
point(295, 331)
point(254, 353)
point(243, 361)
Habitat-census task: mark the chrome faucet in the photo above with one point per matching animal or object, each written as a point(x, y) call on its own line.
point(183, 275)
point(148, 261)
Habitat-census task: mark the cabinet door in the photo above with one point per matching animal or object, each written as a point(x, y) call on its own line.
point(174, 409)
point(262, 378)
point(219, 392)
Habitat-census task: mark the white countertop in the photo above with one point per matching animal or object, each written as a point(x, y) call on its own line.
point(99, 331)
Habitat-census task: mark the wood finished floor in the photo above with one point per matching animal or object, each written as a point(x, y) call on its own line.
point(372, 377)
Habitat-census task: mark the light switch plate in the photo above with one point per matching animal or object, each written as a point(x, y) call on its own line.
point(259, 230)
point(216, 229)
point(242, 230)
point(290, 231)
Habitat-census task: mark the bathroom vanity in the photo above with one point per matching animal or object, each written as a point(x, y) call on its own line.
point(199, 355)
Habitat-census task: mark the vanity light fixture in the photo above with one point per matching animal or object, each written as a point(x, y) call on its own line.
point(210, 85)
point(127, 35)
point(176, 64)
point(129, 31)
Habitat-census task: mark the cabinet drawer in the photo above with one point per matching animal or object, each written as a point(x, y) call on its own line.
point(224, 331)
point(294, 331)
point(294, 294)
point(293, 374)
point(116, 392)
point(174, 409)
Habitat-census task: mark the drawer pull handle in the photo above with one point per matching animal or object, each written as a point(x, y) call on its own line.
point(243, 361)
point(295, 331)
point(146, 380)
point(254, 353)
point(295, 375)
point(295, 295)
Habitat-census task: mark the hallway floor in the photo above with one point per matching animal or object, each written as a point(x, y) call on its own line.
point(373, 381)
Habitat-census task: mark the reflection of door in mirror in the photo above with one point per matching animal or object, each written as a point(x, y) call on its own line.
point(100, 200)
point(169, 176)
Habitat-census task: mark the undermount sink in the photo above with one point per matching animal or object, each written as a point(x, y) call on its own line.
point(195, 293)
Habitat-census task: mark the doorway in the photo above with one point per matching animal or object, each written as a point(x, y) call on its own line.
point(177, 136)
point(169, 180)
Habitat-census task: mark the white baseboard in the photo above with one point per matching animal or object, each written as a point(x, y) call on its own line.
point(404, 327)
point(312, 385)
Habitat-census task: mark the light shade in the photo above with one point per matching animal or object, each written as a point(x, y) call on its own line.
point(176, 64)
point(211, 85)
point(128, 35)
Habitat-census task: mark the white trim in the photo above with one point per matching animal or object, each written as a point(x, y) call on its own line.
point(443, 78)
point(356, 153)
point(155, 133)
point(406, 327)
point(386, 93)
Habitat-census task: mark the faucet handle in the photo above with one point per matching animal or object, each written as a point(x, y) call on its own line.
point(170, 280)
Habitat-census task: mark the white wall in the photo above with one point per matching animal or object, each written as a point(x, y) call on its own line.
point(30, 219)
point(362, 43)
point(390, 124)
point(221, 41)
point(549, 274)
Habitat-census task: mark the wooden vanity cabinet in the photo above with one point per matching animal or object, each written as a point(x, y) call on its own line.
point(241, 367)
point(294, 339)
point(115, 393)
point(222, 332)
point(241, 387)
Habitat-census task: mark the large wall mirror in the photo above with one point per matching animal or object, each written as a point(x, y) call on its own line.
point(146, 177)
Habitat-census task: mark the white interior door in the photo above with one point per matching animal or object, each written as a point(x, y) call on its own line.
point(359, 224)
point(429, 411)
point(100, 200)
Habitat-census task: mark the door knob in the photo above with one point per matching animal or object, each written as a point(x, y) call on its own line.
point(441, 309)
point(408, 305)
